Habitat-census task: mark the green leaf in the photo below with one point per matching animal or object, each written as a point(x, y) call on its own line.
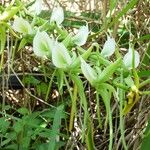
point(144, 73)
point(22, 26)
point(2, 39)
point(54, 137)
point(89, 136)
point(129, 81)
point(108, 71)
point(129, 5)
point(30, 80)
point(9, 13)
point(23, 111)
point(4, 125)
point(18, 126)
point(42, 88)
point(22, 43)
point(145, 143)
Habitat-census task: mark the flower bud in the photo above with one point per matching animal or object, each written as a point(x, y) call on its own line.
point(81, 37)
point(109, 47)
point(128, 59)
point(57, 15)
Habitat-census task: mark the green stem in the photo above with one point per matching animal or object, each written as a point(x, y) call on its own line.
point(73, 107)
point(144, 83)
point(121, 97)
point(81, 93)
point(145, 92)
point(106, 100)
point(49, 86)
point(98, 110)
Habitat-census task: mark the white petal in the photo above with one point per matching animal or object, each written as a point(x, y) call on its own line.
point(57, 15)
point(88, 72)
point(81, 37)
point(36, 8)
point(60, 56)
point(109, 47)
point(42, 44)
point(22, 26)
point(128, 59)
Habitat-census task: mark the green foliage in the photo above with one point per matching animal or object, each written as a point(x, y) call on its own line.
point(29, 130)
point(145, 143)
point(73, 59)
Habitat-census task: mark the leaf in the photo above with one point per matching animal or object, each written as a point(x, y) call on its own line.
point(42, 44)
point(9, 13)
point(60, 56)
point(23, 111)
point(57, 15)
point(2, 39)
point(88, 71)
point(89, 136)
point(145, 143)
point(128, 59)
point(42, 88)
point(129, 81)
point(54, 137)
point(108, 71)
point(22, 43)
point(18, 126)
point(31, 80)
point(109, 47)
point(4, 125)
point(22, 26)
point(81, 37)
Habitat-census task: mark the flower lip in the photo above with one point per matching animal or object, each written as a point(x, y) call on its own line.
point(60, 56)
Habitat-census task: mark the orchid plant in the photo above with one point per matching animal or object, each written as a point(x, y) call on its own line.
point(71, 60)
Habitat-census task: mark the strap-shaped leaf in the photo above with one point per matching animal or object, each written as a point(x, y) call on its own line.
point(108, 71)
point(9, 13)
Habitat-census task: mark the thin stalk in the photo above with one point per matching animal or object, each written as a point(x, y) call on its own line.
point(73, 107)
point(145, 92)
point(106, 100)
point(110, 129)
point(44, 70)
point(144, 83)
point(98, 110)
point(121, 97)
point(83, 99)
point(50, 85)
point(13, 52)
